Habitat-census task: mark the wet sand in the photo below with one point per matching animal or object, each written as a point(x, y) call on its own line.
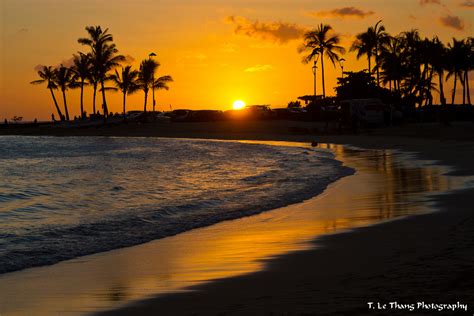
point(426, 258)
point(332, 274)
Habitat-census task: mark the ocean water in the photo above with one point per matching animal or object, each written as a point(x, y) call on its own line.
point(61, 198)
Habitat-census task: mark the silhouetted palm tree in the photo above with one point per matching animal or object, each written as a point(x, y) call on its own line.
point(64, 81)
point(162, 83)
point(457, 55)
point(93, 80)
point(412, 59)
point(470, 66)
point(364, 45)
point(391, 63)
point(381, 38)
point(81, 70)
point(370, 43)
point(127, 82)
point(47, 74)
point(319, 41)
point(103, 56)
point(147, 71)
point(438, 62)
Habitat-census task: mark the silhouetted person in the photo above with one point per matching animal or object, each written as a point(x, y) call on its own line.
point(6, 122)
point(52, 117)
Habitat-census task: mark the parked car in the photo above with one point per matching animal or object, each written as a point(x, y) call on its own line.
point(205, 116)
point(362, 111)
point(180, 115)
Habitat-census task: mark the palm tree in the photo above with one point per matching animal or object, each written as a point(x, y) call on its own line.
point(392, 62)
point(103, 56)
point(162, 83)
point(319, 41)
point(146, 76)
point(412, 58)
point(64, 81)
point(81, 70)
point(94, 82)
point(370, 43)
point(466, 64)
point(457, 56)
point(364, 45)
point(381, 37)
point(47, 74)
point(438, 62)
point(126, 82)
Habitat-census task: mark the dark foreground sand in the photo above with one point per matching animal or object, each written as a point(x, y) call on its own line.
point(426, 258)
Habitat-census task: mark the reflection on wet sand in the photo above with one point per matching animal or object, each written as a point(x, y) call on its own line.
point(386, 185)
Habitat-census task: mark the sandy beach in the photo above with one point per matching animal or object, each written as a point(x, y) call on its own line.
point(426, 258)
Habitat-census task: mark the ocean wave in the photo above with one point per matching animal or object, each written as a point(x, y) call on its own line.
point(92, 194)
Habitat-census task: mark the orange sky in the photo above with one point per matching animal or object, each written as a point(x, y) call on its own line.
point(214, 49)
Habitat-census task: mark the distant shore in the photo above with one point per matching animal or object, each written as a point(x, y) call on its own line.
point(243, 129)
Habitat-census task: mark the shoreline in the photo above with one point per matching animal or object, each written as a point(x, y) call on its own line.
point(420, 258)
point(173, 303)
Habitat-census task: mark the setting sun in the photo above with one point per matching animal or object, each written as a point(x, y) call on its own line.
point(238, 105)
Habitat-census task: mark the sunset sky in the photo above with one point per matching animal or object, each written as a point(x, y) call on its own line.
point(217, 51)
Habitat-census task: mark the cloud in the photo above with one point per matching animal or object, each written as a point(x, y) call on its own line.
point(345, 12)
point(468, 4)
point(258, 68)
point(66, 62)
point(452, 21)
point(279, 32)
point(425, 2)
point(129, 59)
point(38, 67)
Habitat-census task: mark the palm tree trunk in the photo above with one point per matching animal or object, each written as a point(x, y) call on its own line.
point(322, 71)
point(377, 66)
point(370, 67)
point(144, 106)
point(463, 82)
point(104, 101)
point(93, 98)
point(65, 105)
point(466, 79)
point(82, 99)
point(442, 98)
point(56, 105)
point(454, 89)
point(124, 102)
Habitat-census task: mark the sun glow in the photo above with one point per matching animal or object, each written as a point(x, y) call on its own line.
point(238, 105)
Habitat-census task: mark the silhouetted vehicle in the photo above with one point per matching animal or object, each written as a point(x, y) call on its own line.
point(289, 113)
point(362, 112)
point(205, 116)
point(133, 115)
point(140, 116)
point(180, 115)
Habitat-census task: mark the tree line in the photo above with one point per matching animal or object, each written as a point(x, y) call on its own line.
point(96, 67)
point(406, 64)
